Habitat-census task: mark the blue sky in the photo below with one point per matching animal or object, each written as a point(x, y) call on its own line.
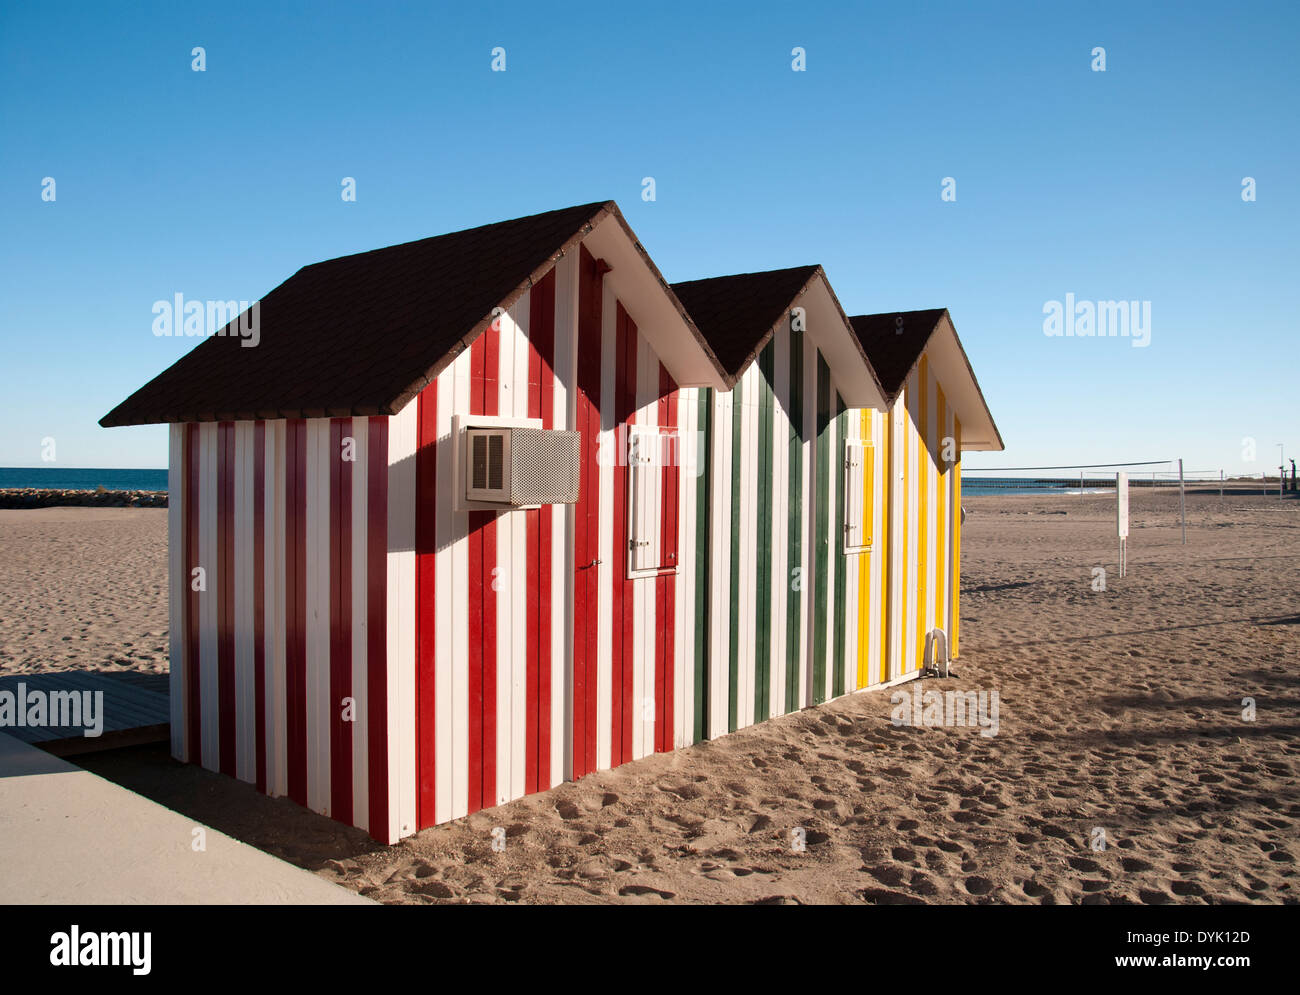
point(1123, 184)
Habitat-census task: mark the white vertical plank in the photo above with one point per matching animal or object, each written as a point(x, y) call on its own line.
point(446, 720)
point(277, 780)
point(313, 650)
point(178, 585)
point(507, 565)
point(208, 553)
point(848, 664)
point(402, 429)
point(749, 548)
point(458, 605)
point(720, 545)
point(360, 433)
point(245, 683)
point(782, 342)
point(319, 703)
point(514, 377)
point(641, 624)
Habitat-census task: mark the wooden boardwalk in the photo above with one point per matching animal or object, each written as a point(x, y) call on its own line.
point(134, 710)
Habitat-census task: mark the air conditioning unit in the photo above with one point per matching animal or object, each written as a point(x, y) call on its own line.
point(521, 467)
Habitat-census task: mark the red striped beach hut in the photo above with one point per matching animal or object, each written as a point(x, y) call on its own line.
point(425, 538)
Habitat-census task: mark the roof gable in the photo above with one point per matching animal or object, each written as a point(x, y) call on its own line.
point(895, 341)
point(738, 315)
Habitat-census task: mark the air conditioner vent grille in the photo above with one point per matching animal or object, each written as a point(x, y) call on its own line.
point(487, 466)
point(545, 466)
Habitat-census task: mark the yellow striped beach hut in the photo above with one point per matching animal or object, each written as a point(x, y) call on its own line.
point(934, 412)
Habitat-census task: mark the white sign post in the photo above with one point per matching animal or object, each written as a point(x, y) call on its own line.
point(1121, 519)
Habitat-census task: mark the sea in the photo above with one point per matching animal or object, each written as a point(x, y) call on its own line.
point(88, 479)
point(82, 479)
point(979, 484)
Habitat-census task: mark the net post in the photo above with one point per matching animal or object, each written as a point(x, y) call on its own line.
point(1182, 501)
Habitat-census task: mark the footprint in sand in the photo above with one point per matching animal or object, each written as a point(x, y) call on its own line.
point(887, 874)
point(686, 792)
point(1135, 865)
point(685, 822)
point(881, 896)
point(922, 885)
point(637, 890)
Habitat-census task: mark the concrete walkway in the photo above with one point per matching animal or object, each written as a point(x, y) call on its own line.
point(68, 836)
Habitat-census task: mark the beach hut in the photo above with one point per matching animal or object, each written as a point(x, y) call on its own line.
point(788, 542)
point(935, 412)
point(424, 537)
point(477, 514)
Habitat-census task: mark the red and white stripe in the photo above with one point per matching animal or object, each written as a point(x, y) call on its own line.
point(294, 545)
point(499, 716)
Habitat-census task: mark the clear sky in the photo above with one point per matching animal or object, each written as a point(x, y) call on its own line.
point(1117, 185)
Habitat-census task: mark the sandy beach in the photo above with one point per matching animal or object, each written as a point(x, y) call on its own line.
point(1121, 721)
point(83, 589)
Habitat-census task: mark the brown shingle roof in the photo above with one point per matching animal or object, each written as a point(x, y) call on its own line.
point(894, 342)
point(362, 334)
point(736, 313)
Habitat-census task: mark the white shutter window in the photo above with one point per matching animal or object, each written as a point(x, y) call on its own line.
point(652, 482)
point(858, 463)
point(642, 506)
